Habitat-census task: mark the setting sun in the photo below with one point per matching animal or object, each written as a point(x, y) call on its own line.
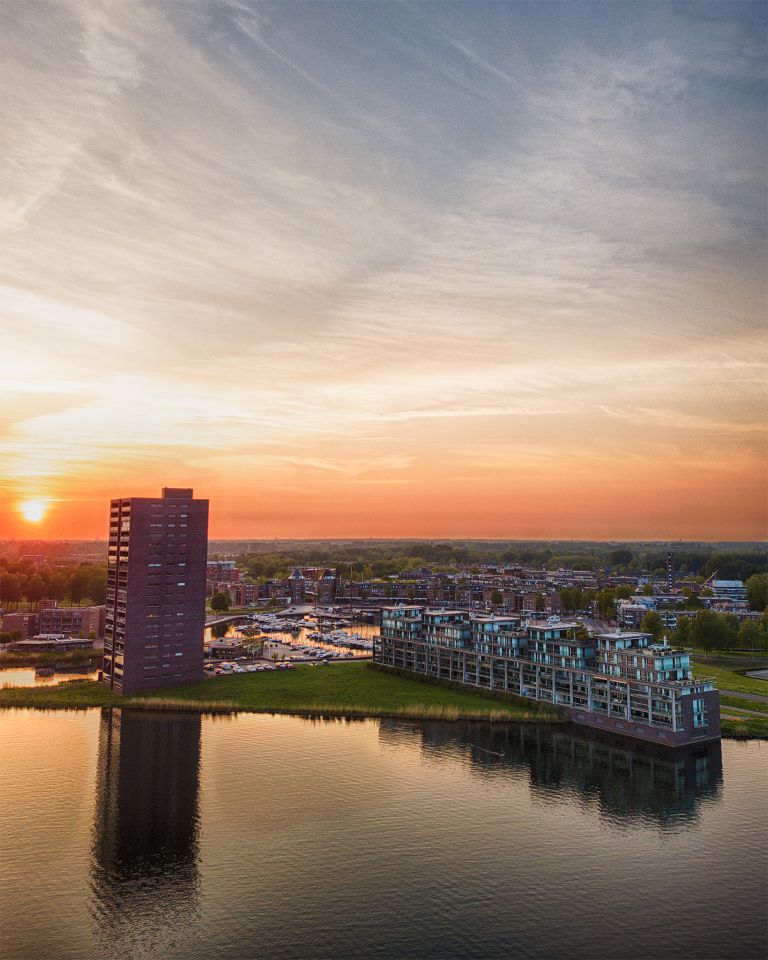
point(33, 511)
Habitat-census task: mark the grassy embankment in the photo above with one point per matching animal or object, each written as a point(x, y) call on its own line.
point(739, 718)
point(727, 678)
point(350, 689)
point(359, 690)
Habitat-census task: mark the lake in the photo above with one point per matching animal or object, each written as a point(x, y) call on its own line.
point(31, 677)
point(129, 834)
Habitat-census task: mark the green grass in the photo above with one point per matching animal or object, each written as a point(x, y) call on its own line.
point(748, 728)
point(726, 679)
point(71, 694)
point(26, 658)
point(351, 689)
point(755, 706)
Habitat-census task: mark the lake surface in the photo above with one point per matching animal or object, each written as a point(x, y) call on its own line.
point(29, 676)
point(135, 835)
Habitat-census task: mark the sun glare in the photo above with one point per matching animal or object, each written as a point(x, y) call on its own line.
point(33, 511)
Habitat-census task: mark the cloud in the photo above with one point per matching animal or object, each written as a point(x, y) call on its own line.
point(435, 229)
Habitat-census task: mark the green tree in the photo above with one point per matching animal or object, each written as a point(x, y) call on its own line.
point(606, 608)
point(730, 632)
point(653, 624)
point(757, 591)
point(708, 631)
point(58, 586)
point(496, 598)
point(620, 557)
point(220, 602)
point(35, 588)
point(10, 588)
point(96, 588)
point(682, 636)
point(78, 585)
point(753, 635)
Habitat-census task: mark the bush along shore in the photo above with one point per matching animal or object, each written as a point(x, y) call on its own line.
point(343, 690)
point(51, 658)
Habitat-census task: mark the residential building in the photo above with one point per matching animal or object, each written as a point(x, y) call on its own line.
point(325, 588)
point(298, 586)
point(618, 682)
point(729, 589)
point(222, 571)
point(72, 621)
point(155, 591)
point(25, 624)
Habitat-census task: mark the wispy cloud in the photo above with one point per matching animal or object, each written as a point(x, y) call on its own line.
point(359, 242)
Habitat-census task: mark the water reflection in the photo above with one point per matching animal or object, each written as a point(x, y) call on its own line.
point(144, 874)
point(629, 783)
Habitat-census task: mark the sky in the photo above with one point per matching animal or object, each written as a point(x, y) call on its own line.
point(385, 269)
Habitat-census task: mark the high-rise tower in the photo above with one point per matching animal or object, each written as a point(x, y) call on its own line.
point(155, 591)
point(670, 573)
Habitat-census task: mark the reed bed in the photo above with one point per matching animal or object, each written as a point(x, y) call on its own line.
point(354, 711)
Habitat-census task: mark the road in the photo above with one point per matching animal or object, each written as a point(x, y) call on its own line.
point(758, 697)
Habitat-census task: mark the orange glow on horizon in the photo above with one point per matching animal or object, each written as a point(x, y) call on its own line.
point(628, 501)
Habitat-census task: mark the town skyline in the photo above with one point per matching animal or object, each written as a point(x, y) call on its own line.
point(431, 270)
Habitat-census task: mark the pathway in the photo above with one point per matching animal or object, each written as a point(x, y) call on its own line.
point(744, 696)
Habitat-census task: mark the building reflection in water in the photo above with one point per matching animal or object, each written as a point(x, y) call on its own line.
point(144, 874)
point(631, 783)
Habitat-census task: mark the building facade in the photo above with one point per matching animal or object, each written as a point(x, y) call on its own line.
point(156, 572)
point(617, 682)
point(73, 621)
point(51, 618)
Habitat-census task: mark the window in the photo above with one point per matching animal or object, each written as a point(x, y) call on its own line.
point(699, 714)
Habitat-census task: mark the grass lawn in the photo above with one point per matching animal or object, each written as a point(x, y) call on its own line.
point(26, 658)
point(350, 689)
point(748, 728)
point(726, 679)
point(71, 694)
point(754, 706)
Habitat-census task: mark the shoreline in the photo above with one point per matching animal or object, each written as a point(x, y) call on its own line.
point(61, 661)
point(89, 694)
point(351, 689)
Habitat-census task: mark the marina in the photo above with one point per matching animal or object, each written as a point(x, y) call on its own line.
point(260, 641)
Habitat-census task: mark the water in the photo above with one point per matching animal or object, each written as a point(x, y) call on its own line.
point(135, 835)
point(301, 637)
point(29, 677)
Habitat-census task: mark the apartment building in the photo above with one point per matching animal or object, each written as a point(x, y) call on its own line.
point(155, 591)
point(618, 682)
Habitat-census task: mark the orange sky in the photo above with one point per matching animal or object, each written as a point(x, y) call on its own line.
point(630, 500)
point(348, 274)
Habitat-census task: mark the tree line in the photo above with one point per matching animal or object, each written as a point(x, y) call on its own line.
point(23, 585)
point(370, 560)
point(709, 631)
